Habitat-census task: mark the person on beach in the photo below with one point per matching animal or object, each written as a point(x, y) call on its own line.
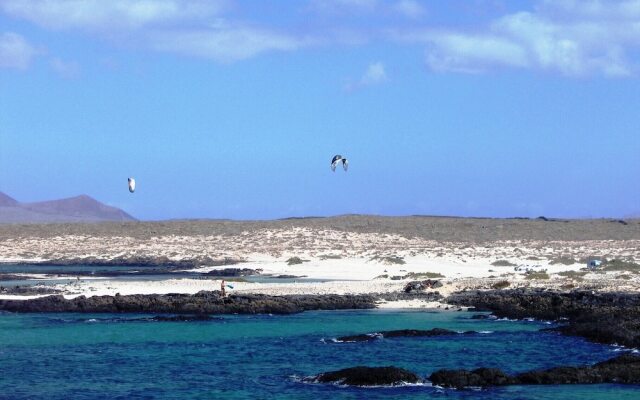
point(222, 288)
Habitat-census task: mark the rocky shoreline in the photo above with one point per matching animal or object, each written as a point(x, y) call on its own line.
point(27, 290)
point(608, 318)
point(204, 302)
point(611, 318)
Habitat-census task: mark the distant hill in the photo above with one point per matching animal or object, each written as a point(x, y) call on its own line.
point(6, 201)
point(74, 209)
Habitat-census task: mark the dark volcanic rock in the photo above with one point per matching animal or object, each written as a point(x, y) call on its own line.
point(182, 318)
point(13, 277)
point(200, 303)
point(483, 316)
point(367, 376)
point(612, 318)
point(234, 272)
point(365, 337)
point(28, 290)
point(623, 369)
point(395, 296)
point(418, 286)
point(418, 332)
point(460, 378)
point(398, 333)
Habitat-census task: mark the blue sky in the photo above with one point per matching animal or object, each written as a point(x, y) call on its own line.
point(234, 109)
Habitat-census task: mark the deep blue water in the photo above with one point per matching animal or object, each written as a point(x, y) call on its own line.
point(74, 356)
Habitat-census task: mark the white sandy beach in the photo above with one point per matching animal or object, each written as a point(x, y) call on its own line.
point(345, 262)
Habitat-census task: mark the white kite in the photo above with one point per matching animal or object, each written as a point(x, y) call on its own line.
point(132, 185)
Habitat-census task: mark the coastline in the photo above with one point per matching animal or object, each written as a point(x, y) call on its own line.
point(333, 263)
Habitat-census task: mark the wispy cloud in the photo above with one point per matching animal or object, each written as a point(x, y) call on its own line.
point(110, 14)
point(343, 6)
point(15, 51)
point(188, 27)
point(224, 43)
point(410, 8)
point(571, 38)
point(373, 75)
point(471, 54)
point(66, 69)
point(407, 8)
point(568, 37)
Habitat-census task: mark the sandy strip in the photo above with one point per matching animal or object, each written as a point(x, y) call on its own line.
point(358, 275)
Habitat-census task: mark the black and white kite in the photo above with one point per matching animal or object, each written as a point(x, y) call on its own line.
point(337, 159)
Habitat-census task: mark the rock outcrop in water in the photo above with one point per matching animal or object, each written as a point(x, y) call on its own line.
point(480, 377)
point(183, 318)
point(399, 333)
point(203, 302)
point(611, 318)
point(367, 376)
point(624, 369)
point(234, 272)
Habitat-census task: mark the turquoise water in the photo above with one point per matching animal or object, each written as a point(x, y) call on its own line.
point(75, 356)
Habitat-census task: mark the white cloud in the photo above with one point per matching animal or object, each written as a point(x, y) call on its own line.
point(343, 6)
point(188, 27)
point(373, 75)
point(66, 69)
point(15, 51)
point(586, 38)
point(109, 14)
point(409, 8)
point(626, 9)
point(472, 54)
point(568, 37)
point(223, 43)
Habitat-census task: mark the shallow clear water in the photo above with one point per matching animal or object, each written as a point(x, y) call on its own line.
point(103, 356)
point(46, 269)
point(124, 273)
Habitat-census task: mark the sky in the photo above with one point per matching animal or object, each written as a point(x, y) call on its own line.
point(234, 109)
